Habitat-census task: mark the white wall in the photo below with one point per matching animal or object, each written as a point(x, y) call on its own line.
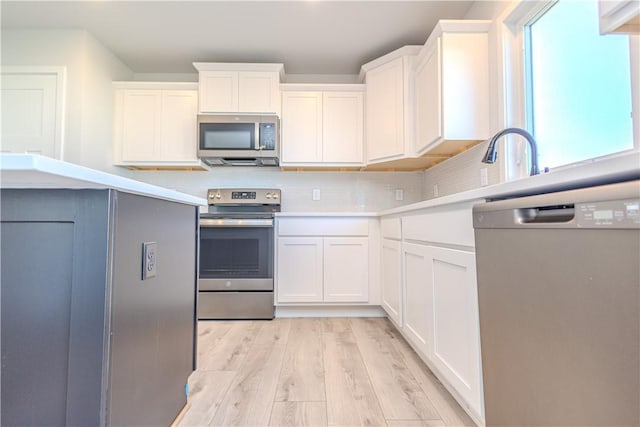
point(90, 69)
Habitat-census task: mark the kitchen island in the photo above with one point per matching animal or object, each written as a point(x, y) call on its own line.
point(98, 296)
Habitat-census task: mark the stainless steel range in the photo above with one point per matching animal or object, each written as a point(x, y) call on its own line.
point(237, 254)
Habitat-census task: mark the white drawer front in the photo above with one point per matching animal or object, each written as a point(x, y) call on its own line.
point(453, 226)
point(323, 227)
point(391, 228)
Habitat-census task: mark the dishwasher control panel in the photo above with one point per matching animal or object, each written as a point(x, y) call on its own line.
point(609, 214)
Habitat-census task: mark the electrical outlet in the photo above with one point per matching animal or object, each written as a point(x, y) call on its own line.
point(399, 194)
point(484, 177)
point(316, 194)
point(149, 259)
point(435, 190)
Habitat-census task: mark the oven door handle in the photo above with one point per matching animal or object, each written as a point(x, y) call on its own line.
point(235, 222)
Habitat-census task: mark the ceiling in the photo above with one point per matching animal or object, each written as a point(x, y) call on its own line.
point(309, 37)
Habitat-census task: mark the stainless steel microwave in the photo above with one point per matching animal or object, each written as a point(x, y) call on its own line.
point(238, 140)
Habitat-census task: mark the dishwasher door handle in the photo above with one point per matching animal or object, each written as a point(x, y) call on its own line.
point(545, 214)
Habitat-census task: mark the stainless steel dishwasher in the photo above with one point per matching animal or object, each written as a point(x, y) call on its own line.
point(559, 295)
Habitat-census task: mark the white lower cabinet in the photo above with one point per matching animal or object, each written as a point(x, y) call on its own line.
point(391, 258)
point(300, 269)
point(327, 265)
point(418, 306)
point(450, 279)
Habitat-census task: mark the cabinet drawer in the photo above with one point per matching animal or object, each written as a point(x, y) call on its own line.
point(391, 228)
point(323, 227)
point(451, 226)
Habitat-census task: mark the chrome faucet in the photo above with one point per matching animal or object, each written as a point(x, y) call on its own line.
point(492, 152)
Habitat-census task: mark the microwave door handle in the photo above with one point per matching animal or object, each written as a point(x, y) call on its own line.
point(257, 139)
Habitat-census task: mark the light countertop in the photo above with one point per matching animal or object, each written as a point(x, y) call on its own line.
point(327, 214)
point(34, 171)
point(623, 167)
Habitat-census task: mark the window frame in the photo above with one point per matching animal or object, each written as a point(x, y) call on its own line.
point(514, 75)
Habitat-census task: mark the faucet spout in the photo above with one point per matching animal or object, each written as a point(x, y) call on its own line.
point(492, 153)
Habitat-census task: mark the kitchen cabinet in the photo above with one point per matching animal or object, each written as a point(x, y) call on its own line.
point(450, 115)
point(418, 307)
point(619, 16)
point(323, 128)
point(322, 260)
point(32, 120)
point(388, 103)
point(391, 266)
point(85, 339)
point(239, 88)
point(155, 125)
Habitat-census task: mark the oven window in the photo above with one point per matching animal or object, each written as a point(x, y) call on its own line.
point(227, 136)
point(243, 252)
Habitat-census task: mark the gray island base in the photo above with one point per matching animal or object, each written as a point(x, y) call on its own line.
point(84, 339)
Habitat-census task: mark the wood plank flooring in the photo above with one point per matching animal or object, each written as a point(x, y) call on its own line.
point(313, 372)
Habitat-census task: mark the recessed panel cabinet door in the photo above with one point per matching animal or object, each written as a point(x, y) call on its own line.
point(392, 279)
point(342, 127)
point(346, 269)
point(429, 98)
point(141, 125)
point(218, 91)
point(299, 269)
point(301, 127)
point(418, 309)
point(451, 276)
point(179, 133)
point(258, 92)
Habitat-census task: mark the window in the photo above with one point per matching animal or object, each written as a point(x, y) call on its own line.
point(578, 85)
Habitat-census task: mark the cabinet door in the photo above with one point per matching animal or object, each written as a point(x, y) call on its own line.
point(451, 277)
point(179, 123)
point(392, 279)
point(32, 113)
point(346, 269)
point(218, 91)
point(301, 127)
point(428, 98)
point(385, 111)
point(342, 127)
point(299, 269)
point(417, 297)
point(258, 92)
point(141, 125)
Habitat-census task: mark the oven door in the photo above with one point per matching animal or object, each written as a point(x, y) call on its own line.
point(236, 255)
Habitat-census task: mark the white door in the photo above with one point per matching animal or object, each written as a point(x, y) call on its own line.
point(141, 125)
point(258, 92)
point(32, 111)
point(417, 296)
point(456, 329)
point(218, 91)
point(346, 269)
point(385, 111)
point(301, 127)
point(428, 99)
point(342, 127)
point(299, 269)
point(391, 259)
point(179, 125)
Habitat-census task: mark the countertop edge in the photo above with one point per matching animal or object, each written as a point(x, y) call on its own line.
point(39, 172)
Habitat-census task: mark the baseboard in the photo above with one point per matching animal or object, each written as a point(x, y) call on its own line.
point(330, 311)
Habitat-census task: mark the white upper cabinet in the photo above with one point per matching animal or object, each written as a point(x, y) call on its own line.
point(155, 125)
point(32, 117)
point(452, 88)
point(619, 16)
point(322, 128)
point(239, 88)
point(389, 125)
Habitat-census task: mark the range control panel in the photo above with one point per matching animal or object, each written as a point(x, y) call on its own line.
point(610, 214)
point(244, 196)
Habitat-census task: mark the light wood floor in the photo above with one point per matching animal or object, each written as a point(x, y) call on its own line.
point(313, 372)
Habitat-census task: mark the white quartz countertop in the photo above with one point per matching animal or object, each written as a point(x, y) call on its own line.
point(623, 167)
point(35, 171)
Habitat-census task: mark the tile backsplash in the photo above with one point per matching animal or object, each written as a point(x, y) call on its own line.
point(339, 191)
